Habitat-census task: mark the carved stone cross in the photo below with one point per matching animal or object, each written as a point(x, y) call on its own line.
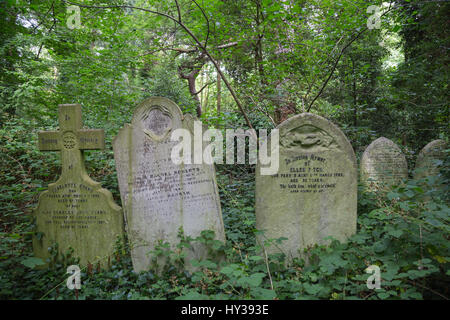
point(71, 139)
point(76, 212)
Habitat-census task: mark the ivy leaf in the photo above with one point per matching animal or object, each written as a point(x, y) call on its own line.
point(192, 295)
point(263, 294)
point(31, 262)
point(396, 233)
point(393, 195)
point(312, 289)
point(254, 280)
point(255, 258)
point(410, 193)
point(383, 295)
point(390, 272)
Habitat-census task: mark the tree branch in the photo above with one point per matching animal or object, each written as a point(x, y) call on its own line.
point(337, 61)
point(191, 34)
point(207, 84)
point(207, 22)
point(178, 10)
point(188, 50)
point(334, 68)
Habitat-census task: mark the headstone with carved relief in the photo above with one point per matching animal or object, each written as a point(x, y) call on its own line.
point(76, 212)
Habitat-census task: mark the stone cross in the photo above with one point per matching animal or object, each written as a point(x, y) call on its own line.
point(71, 138)
point(76, 212)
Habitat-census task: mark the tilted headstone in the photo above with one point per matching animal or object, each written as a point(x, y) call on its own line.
point(428, 160)
point(75, 211)
point(383, 165)
point(314, 194)
point(159, 196)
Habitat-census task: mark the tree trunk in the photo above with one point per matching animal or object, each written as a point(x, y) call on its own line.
point(355, 98)
point(191, 84)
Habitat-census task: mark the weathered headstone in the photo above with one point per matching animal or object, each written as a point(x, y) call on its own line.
point(159, 196)
point(383, 165)
point(427, 163)
point(75, 211)
point(313, 196)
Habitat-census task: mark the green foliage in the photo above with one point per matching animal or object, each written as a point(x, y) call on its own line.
point(309, 54)
point(404, 233)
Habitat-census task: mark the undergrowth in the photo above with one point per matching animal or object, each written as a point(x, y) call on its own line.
point(405, 233)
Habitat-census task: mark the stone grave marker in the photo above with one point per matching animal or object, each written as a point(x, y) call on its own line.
point(159, 196)
point(382, 165)
point(428, 159)
point(313, 195)
point(75, 211)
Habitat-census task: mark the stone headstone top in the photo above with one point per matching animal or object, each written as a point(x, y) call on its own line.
point(383, 165)
point(75, 212)
point(313, 195)
point(429, 158)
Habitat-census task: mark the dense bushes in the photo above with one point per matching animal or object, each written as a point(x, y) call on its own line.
point(404, 234)
point(371, 83)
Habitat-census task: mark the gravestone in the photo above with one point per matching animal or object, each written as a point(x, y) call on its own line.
point(429, 158)
point(75, 211)
point(383, 165)
point(313, 196)
point(159, 196)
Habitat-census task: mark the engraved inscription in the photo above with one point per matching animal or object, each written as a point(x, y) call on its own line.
point(76, 201)
point(385, 167)
point(308, 174)
point(89, 140)
point(49, 141)
point(162, 184)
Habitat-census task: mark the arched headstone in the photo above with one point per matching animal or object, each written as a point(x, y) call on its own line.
point(383, 165)
point(314, 194)
point(429, 158)
point(159, 196)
